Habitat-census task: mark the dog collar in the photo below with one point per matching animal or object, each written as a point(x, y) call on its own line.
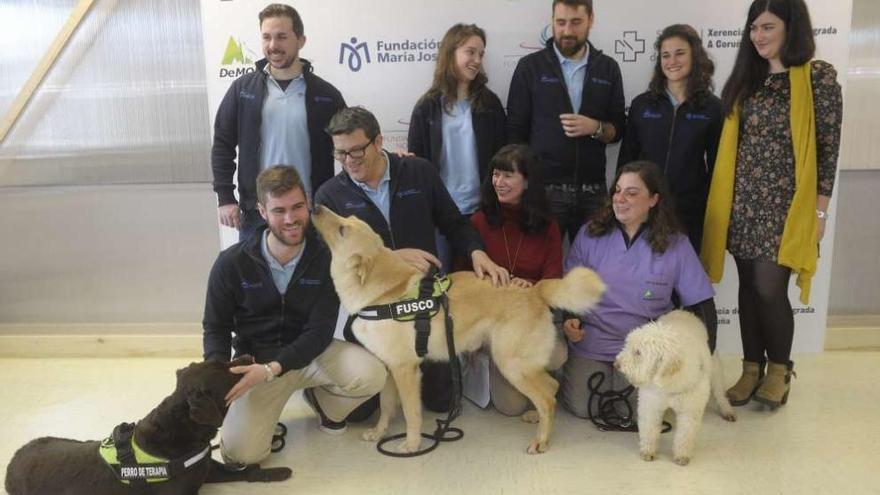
point(132, 465)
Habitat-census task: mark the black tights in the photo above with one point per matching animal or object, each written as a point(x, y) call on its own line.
point(765, 318)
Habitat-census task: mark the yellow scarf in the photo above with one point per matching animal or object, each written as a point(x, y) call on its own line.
point(799, 249)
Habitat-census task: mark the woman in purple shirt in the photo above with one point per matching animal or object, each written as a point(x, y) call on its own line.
point(635, 244)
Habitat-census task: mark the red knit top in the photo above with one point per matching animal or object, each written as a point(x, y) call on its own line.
point(531, 257)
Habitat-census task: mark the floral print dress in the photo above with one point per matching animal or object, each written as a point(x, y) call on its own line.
point(765, 180)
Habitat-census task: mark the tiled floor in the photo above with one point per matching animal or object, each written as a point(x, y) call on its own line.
point(826, 440)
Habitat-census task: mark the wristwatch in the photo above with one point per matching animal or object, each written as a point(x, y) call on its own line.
point(821, 215)
point(599, 131)
point(270, 375)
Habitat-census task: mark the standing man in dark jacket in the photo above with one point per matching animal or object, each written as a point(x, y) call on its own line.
point(404, 201)
point(276, 114)
point(566, 101)
point(274, 293)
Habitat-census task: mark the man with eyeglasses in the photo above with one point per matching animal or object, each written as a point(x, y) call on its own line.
point(273, 115)
point(404, 200)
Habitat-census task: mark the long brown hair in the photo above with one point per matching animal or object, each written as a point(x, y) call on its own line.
point(445, 83)
point(662, 222)
point(699, 84)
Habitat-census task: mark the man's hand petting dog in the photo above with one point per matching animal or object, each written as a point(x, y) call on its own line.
point(418, 259)
point(254, 374)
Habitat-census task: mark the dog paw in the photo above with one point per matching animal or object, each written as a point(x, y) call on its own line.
point(372, 435)
point(536, 447)
point(682, 460)
point(530, 416)
point(408, 446)
point(647, 456)
point(729, 415)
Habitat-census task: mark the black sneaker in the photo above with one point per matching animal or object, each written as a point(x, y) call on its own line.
point(326, 424)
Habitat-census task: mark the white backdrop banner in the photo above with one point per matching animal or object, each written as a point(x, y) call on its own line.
point(381, 54)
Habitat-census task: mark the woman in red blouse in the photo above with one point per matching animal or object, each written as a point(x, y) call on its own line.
point(520, 235)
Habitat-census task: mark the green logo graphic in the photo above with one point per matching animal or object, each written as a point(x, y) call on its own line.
point(234, 54)
point(648, 294)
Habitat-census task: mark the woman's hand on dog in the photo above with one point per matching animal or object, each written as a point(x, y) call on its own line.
point(521, 283)
point(254, 374)
point(485, 267)
point(418, 259)
point(573, 330)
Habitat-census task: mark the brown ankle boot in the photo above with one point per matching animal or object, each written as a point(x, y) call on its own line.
point(741, 393)
point(774, 391)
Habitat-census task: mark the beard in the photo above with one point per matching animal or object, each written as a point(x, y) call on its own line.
point(570, 49)
point(286, 62)
point(282, 237)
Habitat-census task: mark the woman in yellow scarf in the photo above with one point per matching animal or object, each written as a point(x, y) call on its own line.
point(771, 185)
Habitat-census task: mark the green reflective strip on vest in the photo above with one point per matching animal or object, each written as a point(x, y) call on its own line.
point(441, 286)
point(107, 451)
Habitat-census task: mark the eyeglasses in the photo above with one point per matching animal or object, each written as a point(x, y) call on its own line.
point(355, 153)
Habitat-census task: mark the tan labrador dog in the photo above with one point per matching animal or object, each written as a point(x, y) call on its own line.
point(516, 323)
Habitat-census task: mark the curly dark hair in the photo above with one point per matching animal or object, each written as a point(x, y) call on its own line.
point(662, 220)
point(535, 210)
point(699, 84)
point(445, 82)
point(751, 69)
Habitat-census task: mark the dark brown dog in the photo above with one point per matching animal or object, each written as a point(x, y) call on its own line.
point(184, 422)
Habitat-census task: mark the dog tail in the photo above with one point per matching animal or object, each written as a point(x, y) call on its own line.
point(718, 390)
point(577, 292)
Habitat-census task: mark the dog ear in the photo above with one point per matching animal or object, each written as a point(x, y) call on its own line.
point(203, 409)
point(669, 367)
point(360, 265)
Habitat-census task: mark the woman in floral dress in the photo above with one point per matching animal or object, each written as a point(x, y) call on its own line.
point(772, 184)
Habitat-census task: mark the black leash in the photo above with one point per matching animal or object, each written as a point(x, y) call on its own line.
point(444, 432)
point(607, 417)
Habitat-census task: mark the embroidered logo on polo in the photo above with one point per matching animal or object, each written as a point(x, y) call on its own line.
point(350, 205)
point(251, 285)
point(323, 99)
point(248, 96)
point(652, 115)
point(603, 82)
point(549, 79)
point(696, 116)
point(309, 281)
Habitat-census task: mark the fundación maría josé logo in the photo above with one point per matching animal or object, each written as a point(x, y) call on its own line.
point(355, 54)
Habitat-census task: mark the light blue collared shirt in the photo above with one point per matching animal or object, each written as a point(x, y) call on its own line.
point(672, 99)
point(458, 158)
point(281, 274)
point(284, 130)
point(381, 196)
point(574, 72)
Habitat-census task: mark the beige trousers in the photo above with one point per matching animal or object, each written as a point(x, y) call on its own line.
point(506, 398)
point(344, 376)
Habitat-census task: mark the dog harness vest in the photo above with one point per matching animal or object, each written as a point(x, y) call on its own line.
point(421, 304)
point(132, 466)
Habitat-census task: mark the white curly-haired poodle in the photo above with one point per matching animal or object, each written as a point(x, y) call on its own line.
point(670, 363)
